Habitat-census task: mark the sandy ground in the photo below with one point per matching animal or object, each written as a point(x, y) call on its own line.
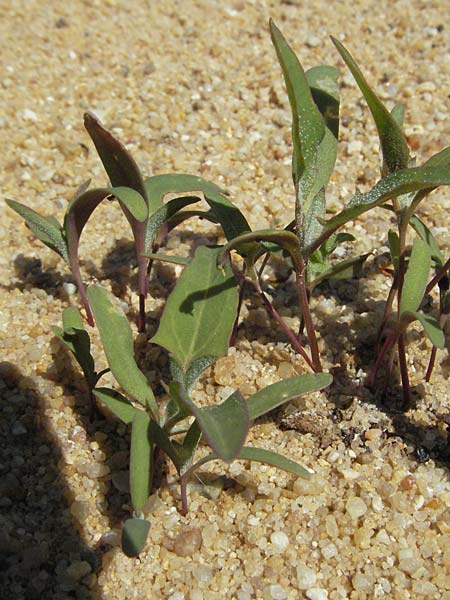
point(195, 87)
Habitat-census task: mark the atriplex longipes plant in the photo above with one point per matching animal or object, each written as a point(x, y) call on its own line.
point(195, 336)
point(410, 282)
point(143, 203)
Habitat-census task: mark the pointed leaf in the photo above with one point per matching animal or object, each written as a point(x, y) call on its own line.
point(117, 340)
point(132, 201)
point(199, 315)
point(284, 239)
point(222, 210)
point(225, 426)
point(134, 536)
point(398, 113)
point(116, 403)
point(282, 391)
point(393, 143)
point(432, 328)
point(76, 339)
point(43, 228)
point(162, 215)
point(394, 247)
point(344, 269)
point(274, 460)
point(141, 458)
point(179, 455)
point(416, 277)
point(119, 164)
point(308, 127)
point(196, 368)
point(391, 186)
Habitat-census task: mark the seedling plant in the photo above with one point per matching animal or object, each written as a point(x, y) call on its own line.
point(201, 314)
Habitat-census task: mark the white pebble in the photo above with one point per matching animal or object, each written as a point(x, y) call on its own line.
point(313, 41)
point(306, 577)
point(69, 288)
point(29, 115)
point(279, 540)
point(176, 596)
point(354, 147)
point(277, 592)
point(317, 594)
point(356, 507)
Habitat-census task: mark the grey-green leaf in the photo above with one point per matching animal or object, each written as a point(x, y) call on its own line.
point(117, 340)
point(274, 460)
point(431, 327)
point(141, 457)
point(199, 315)
point(391, 186)
point(308, 127)
point(416, 277)
point(132, 201)
point(426, 235)
point(134, 536)
point(225, 426)
point(76, 339)
point(394, 247)
point(393, 143)
point(282, 391)
point(116, 403)
point(43, 228)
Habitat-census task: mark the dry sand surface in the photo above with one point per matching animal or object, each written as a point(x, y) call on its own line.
point(195, 87)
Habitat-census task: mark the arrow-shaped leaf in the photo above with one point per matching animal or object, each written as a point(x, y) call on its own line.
point(430, 325)
point(117, 340)
point(141, 458)
point(391, 186)
point(44, 228)
point(134, 535)
point(416, 277)
point(199, 315)
point(393, 143)
point(117, 404)
point(282, 391)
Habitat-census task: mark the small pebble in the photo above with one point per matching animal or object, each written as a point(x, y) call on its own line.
point(188, 542)
point(69, 288)
point(356, 507)
point(279, 540)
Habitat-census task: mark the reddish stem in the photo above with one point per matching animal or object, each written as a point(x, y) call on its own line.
point(431, 363)
point(407, 398)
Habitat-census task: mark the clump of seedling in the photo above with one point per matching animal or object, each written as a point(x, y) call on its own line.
point(194, 329)
point(152, 206)
point(201, 313)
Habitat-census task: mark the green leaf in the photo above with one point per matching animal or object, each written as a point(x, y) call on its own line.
point(416, 277)
point(76, 339)
point(116, 403)
point(162, 215)
point(344, 269)
point(259, 455)
point(440, 159)
point(323, 83)
point(392, 141)
point(391, 186)
point(196, 188)
point(187, 379)
point(117, 340)
point(44, 228)
point(225, 426)
point(308, 127)
point(119, 164)
point(134, 536)
point(394, 247)
point(132, 201)
point(430, 325)
point(141, 458)
point(398, 113)
point(179, 455)
point(282, 391)
point(274, 460)
point(199, 315)
point(284, 239)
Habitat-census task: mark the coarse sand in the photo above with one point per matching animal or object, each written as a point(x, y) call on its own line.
point(195, 87)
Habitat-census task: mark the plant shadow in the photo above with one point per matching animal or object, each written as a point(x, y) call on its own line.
point(42, 552)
